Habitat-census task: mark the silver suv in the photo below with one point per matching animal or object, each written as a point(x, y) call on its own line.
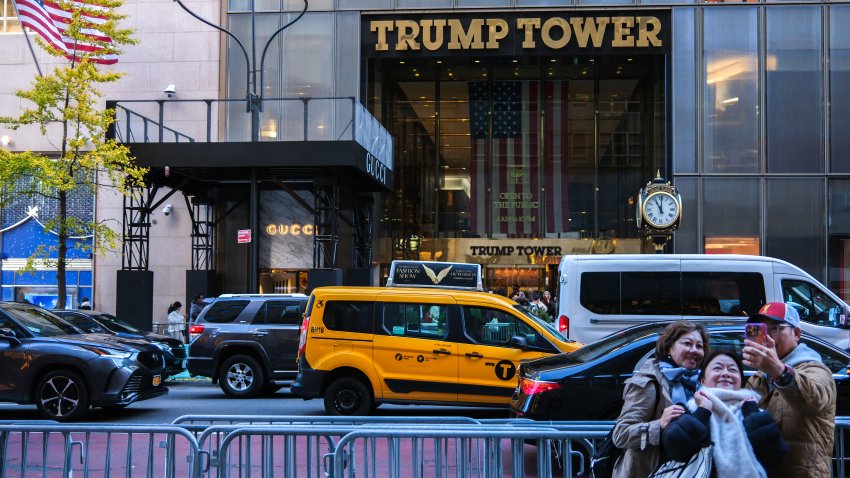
point(247, 343)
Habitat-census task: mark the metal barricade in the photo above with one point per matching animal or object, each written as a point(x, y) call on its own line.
point(210, 430)
point(91, 450)
point(471, 452)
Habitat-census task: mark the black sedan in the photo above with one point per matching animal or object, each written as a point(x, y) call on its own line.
point(47, 361)
point(94, 322)
point(588, 384)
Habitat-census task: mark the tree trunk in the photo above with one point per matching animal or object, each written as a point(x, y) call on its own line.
point(63, 250)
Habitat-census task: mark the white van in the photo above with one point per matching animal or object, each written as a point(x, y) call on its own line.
point(601, 294)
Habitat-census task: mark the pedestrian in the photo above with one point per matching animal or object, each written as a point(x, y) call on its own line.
point(196, 307)
point(176, 321)
point(745, 439)
point(550, 304)
point(537, 306)
point(85, 304)
point(797, 388)
point(652, 396)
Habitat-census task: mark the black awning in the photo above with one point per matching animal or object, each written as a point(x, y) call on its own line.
point(347, 161)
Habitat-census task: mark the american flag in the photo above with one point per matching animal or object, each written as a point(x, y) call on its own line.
point(50, 19)
point(514, 174)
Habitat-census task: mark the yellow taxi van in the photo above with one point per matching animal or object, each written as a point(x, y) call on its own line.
point(431, 336)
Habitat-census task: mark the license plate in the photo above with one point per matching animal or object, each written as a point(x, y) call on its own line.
point(157, 379)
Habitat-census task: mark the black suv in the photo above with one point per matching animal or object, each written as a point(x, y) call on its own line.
point(47, 361)
point(247, 343)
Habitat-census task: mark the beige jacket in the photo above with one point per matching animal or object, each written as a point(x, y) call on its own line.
point(638, 429)
point(805, 413)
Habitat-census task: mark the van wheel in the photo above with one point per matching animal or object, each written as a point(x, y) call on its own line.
point(241, 376)
point(62, 395)
point(348, 396)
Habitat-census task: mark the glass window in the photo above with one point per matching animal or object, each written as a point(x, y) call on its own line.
point(813, 304)
point(683, 91)
point(839, 80)
point(279, 312)
point(416, 320)
point(651, 293)
point(600, 292)
point(496, 327)
point(224, 310)
point(730, 210)
point(793, 87)
point(85, 324)
point(839, 237)
point(731, 132)
point(795, 223)
point(349, 316)
point(722, 293)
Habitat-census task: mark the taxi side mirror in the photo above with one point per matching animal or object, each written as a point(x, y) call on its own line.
point(518, 342)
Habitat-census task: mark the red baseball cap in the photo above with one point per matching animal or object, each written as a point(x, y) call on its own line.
point(778, 311)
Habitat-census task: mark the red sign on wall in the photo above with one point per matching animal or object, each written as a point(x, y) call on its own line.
point(243, 236)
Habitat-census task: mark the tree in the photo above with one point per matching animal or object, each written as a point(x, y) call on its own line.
point(68, 109)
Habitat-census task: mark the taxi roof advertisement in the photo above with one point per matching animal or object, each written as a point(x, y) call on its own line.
point(516, 33)
point(435, 274)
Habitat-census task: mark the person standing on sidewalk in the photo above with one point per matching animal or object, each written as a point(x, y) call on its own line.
point(196, 307)
point(176, 321)
point(797, 389)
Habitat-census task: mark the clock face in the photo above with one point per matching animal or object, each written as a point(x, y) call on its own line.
point(660, 209)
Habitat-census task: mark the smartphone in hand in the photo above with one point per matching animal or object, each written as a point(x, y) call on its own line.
point(757, 332)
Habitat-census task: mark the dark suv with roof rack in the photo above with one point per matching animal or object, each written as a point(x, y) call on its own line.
point(247, 343)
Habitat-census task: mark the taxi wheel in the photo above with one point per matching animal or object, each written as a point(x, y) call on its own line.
point(241, 376)
point(348, 396)
point(62, 395)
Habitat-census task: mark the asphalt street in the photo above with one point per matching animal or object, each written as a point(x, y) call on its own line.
point(194, 397)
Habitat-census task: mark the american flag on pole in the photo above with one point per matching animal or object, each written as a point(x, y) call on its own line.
point(527, 196)
point(51, 19)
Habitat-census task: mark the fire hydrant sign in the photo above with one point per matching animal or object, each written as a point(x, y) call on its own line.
point(243, 236)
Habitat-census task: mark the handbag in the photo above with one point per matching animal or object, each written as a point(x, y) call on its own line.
point(607, 453)
point(699, 466)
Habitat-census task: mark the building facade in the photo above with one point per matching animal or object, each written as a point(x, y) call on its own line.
point(522, 129)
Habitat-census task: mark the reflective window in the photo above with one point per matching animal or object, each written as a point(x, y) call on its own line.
point(651, 293)
point(224, 310)
point(279, 312)
point(730, 210)
point(793, 88)
point(800, 240)
point(684, 91)
point(428, 321)
point(730, 104)
point(839, 237)
point(813, 305)
point(733, 294)
point(495, 327)
point(686, 240)
point(348, 316)
point(839, 80)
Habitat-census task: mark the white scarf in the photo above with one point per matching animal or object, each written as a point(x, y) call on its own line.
point(729, 435)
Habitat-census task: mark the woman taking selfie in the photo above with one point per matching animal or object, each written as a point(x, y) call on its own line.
point(671, 377)
point(727, 416)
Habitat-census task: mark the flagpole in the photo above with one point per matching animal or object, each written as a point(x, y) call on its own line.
point(29, 43)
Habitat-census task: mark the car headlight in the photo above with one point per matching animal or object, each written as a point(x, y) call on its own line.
point(106, 352)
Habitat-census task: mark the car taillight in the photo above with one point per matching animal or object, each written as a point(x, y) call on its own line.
point(533, 387)
point(302, 341)
point(564, 325)
point(196, 329)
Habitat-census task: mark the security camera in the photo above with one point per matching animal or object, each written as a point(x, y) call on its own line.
point(170, 90)
point(167, 209)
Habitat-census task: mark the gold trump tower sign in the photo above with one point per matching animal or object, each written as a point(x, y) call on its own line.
point(644, 31)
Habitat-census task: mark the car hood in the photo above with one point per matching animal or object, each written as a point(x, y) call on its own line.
point(171, 341)
point(95, 340)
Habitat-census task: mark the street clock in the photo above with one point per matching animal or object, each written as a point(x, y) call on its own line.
point(659, 211)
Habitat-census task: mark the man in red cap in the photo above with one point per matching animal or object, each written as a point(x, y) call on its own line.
point(797, 389)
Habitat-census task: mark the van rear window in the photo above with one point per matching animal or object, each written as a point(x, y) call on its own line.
point(346, 316)
point(730, 294)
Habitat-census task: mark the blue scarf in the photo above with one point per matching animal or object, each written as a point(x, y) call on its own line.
point(683, 382)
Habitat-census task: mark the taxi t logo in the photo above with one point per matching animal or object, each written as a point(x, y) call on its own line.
point(436, 278)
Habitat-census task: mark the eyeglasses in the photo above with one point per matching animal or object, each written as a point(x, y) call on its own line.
point(774, 330)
